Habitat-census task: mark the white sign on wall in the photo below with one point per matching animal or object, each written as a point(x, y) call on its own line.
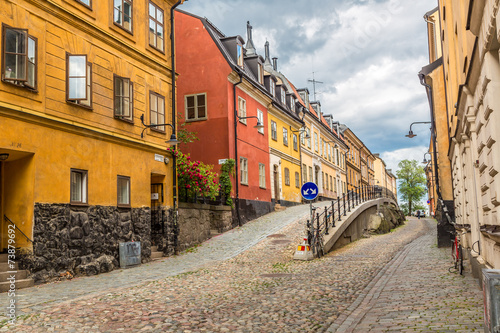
point(159, 158)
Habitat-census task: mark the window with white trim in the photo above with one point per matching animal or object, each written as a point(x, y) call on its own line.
point(157, 111)
point(304, 173)
point(262, 175)
point(242, 109)
point(287, 177)
point(297, 180)
point(316, 143)
point(295, 143)
point(244, 171)
point(285, 136)
point(274, 130)
point(196, 107)
point(308, 131)
point(310, 174)
point(260, 118)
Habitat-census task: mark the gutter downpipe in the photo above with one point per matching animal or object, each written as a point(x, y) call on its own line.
point(172, 56)
point(236, 183)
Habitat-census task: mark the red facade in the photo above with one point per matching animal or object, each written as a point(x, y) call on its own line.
point(206, 66)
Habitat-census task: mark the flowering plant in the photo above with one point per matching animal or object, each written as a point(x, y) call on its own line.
point(194, 177)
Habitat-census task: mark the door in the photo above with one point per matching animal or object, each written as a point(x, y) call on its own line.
point(276, 183)
point(157, 220)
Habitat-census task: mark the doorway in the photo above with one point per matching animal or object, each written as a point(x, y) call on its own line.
point(276, 183)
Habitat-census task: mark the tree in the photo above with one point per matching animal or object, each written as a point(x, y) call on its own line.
point(412, 182)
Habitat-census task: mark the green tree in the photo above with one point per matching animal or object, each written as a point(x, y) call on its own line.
point(412, 183)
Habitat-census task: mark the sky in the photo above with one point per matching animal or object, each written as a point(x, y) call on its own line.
point(366, 53)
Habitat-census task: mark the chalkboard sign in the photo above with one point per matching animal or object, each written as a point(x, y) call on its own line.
point(130, 254)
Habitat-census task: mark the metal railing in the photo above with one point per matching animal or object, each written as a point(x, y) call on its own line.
point(10, 221)
point(323, 219)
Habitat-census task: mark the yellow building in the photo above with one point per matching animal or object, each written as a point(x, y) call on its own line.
point(76, 175)
point(284, 132)
point(353, 159)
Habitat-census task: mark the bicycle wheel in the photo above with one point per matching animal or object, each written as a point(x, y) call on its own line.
point(454, 253)
point(460, 260)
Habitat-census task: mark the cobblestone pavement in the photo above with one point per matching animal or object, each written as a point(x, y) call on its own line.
point(379, 283)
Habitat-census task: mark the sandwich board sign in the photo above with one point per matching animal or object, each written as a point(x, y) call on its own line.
point(309, 191)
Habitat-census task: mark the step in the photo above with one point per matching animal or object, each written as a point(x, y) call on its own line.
point(154, 248)
point(20, 275)
point(4, 267)
point(156, 255)
point(20, 284)
point(4, 257)
point(214, 232)
point(279, 208)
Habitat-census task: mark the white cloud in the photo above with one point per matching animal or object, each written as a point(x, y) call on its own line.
point(392, 158)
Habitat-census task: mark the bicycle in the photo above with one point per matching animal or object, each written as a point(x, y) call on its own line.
point(456, 255)
point(315, 239)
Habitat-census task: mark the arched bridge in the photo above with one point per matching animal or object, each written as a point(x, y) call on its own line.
point(345, 219)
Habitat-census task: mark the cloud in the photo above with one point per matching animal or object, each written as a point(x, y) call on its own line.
point(392, 158)
point(367, 53)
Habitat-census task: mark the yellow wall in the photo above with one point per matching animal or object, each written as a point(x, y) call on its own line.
point(289, 157)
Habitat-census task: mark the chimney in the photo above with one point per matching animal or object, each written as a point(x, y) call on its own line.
point(250, 47)
point(275, 64)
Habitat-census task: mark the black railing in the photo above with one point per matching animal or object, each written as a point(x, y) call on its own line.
point(322, 220)
point(188, 197)
point(10, 221)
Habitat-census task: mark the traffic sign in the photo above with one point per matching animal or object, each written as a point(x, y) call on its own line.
point(309, 191)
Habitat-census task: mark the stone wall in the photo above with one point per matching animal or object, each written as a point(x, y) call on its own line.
point(83, 240)
point(196, 221)
point(167, 239)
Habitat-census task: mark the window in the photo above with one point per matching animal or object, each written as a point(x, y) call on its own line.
point(156, 35)
point(78, 186)
point(244, 170)
point(196, 107)
point(292, 104)
point(87, 3)
point(295, 143)
point(297, 180)
point(240, 55)
point(262, 175)
point(326, 179)
point(274, 131)
point(157, 111)
point(304, 173)
point(272, 86)
point(285, 136)
point(122, 14)
point(329, 153)
point(287, 177)
point(19, 57)
point(316, 143)
point(308, 131)
point(331, 184)
point(260, 117)
point(123, 98)
point(78, 80)
point(323, 179)
point(260, 73)
point(242, 109)
point(310, 174)
point(302, 138)
point(283, 96)
point(123, 191)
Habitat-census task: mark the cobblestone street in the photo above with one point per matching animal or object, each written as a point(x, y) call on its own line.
point(246, 281)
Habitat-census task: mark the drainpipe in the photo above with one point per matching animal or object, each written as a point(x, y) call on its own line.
point(172, 57)
point(237, 193)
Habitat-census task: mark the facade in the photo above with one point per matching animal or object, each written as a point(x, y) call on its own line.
point(353, 159)
point(471, 72)
point(78, 165)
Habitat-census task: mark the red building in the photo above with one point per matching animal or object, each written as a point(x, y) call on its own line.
point(219, 78)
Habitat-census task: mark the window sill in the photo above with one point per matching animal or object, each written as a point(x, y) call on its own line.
point(124, 206)
point(244, 184)
point(9, 82)
point(79, 204)
point(90, 108)
point(128, 121)
point(195, 120)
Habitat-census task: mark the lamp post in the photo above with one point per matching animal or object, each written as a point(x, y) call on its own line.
point(307, 136)
point(410, 133)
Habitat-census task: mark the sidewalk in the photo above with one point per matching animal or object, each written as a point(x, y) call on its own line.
point(214, 250)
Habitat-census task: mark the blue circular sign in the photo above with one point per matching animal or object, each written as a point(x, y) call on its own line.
point(309, 191)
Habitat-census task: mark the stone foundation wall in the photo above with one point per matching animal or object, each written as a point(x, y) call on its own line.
point(83, 240)
point(167, 239)
point(196, 221)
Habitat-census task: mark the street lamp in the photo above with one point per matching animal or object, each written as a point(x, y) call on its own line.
point(173, 139)
point(425, 161)
point(259, 124)
point(410, 133)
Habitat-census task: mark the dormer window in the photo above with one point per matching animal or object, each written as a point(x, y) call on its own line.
point(272, 88)
point(292, 104)
point(240, 55)
point(260, 73)
point(283, 96)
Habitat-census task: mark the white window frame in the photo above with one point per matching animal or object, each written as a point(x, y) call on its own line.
point(242, 110)
point(74, 75)
point(285, 136)
point(262, 175)
point(123, 194)
point(274, 130)
point(243, 170)
point(295, 142)
point(260, 118)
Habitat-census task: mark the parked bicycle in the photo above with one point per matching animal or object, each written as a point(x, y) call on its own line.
point(457, 255)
